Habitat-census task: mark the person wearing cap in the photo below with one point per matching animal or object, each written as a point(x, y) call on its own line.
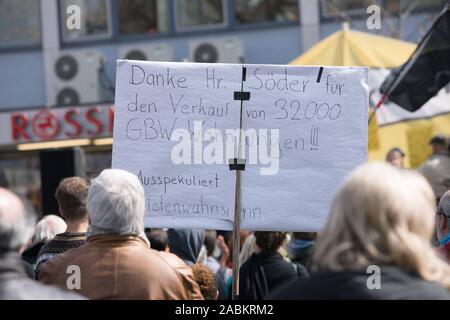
point(396, 157)
point(437, 168)
point(443, 225)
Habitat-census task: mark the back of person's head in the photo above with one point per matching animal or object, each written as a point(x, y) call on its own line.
point(16, 223)
point(395, 156)
point(438, 144)
point(47, 228)
point(210, 241)
point(116, 204)
point(157, 238)
point(444, 205)
point(72, 196)
point(186, 243)
point(269, 242)
point(443, 213)
point(206, 281)
point(381, 215)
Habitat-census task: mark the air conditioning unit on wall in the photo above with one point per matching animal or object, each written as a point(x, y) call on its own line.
point(222, 50)
point(153, 52)
point(73, 78)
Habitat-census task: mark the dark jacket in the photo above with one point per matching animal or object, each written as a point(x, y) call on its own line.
point(264, 272)
point(30, 254)
point(16, 285)
point(395, 284)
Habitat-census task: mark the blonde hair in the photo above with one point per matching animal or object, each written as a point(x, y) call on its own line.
point(382, 215)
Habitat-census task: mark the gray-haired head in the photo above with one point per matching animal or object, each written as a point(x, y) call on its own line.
point(16, 222)
point(116, 204)
point(47, 228)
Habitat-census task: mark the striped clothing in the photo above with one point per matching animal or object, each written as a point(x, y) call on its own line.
point(59, 244)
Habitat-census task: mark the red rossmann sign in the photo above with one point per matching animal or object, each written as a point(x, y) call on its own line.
point(62, 123)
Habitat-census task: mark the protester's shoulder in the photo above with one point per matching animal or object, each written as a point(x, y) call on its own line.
point(51, 243)
point(434, 162)
point(415, 288)
point(395, 284)
point(173, 260)
point(53, 266)
point(301, 288)
point(184, 272)
point(176, 264)
point(429, 291)
point(27, 289)
point(325, 285)
point(44, 248)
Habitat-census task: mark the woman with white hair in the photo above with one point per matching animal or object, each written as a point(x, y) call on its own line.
point(46, 229)
point(376, 243)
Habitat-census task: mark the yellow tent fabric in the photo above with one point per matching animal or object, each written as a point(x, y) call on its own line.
point(354, 48)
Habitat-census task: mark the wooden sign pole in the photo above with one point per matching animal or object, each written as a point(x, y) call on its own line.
point(238, 166)
point(236, 237)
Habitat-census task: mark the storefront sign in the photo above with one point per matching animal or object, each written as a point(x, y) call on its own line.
point(51, 124)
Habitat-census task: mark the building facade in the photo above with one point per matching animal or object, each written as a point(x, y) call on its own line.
point(57, 59)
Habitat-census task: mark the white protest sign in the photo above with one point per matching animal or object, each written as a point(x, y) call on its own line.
point(304, 130)
point(322, 137)
point(157, 100)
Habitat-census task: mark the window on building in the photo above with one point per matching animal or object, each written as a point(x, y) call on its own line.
point(142, 16)
point(254, 11)
point(85, 19)
point(413, 5)
point(194, 14)
point(334, 8)
point(20, 23)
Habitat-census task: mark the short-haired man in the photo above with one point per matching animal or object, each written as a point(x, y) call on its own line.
point(16, 229)
point(117, 262)
point(443, 225)
point(71, 195)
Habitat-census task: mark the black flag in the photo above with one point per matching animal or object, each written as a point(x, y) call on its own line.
point(426, 71)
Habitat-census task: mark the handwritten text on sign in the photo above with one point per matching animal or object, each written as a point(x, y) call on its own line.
point(177, 126)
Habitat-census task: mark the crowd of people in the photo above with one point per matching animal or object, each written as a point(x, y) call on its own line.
point(383, 217)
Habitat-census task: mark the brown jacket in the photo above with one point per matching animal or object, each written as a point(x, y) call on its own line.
point(121, 267)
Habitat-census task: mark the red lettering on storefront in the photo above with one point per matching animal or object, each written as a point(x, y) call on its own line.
point(45, 125)
point(19, 123)
point(49, 124)
point(90, 118)
point(70, 119)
